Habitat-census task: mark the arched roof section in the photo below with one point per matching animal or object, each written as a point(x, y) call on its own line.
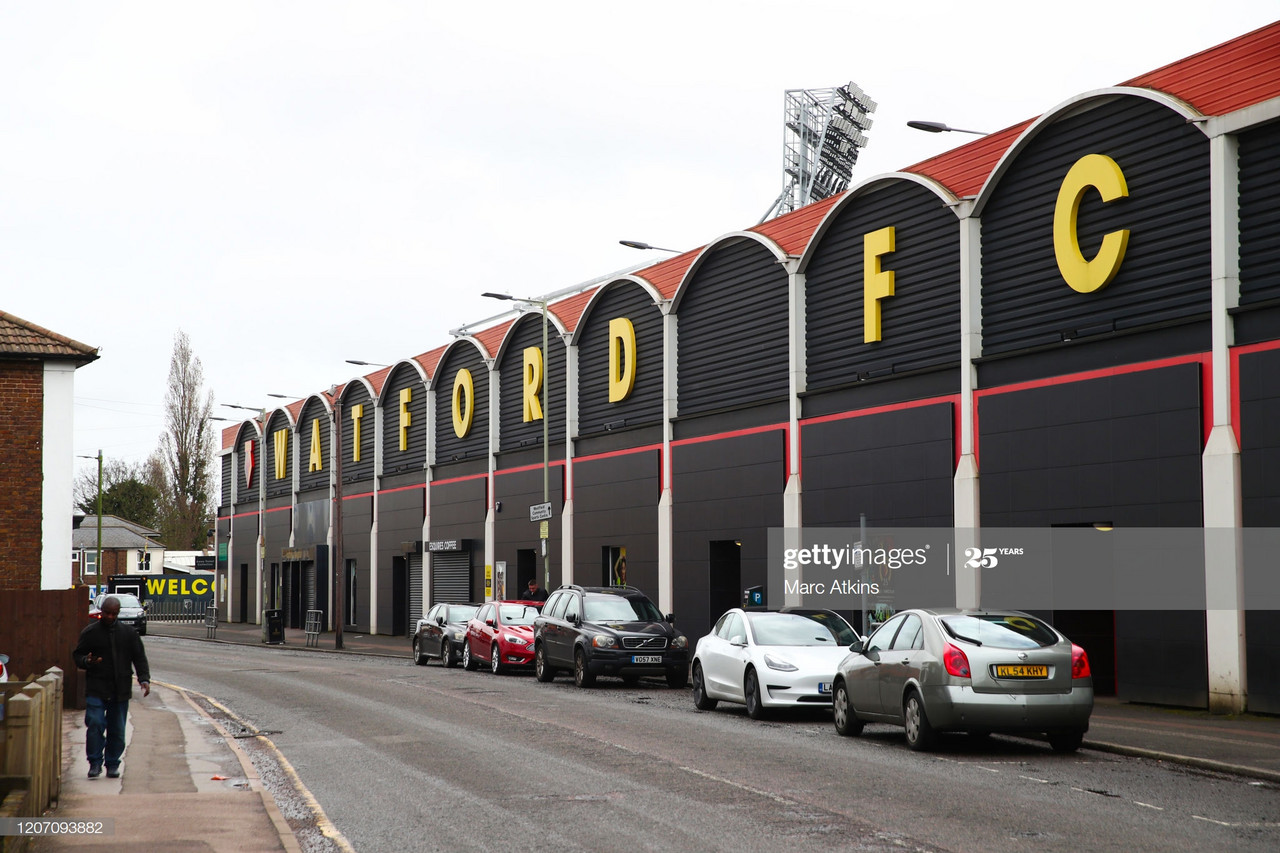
point(964, 170)
point(666, 276)
point(793, 231)
point(600, 292)
point(569, 310)
point(428, 362)
point(1067, 108)
point(360, 381)
point(838, 203)
point(555, 327)
point(779, 255)
point(412, 363)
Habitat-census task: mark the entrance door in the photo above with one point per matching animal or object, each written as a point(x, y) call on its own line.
point(400, 597)
point(725, 588)
point(242, 590)
point(526, 570)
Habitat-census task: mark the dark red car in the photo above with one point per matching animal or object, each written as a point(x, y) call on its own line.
point(502, 634)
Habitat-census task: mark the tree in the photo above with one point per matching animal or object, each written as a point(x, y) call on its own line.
point(182, 466)
point(126, 492)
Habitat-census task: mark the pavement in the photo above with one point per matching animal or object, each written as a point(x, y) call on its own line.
point(187, 785)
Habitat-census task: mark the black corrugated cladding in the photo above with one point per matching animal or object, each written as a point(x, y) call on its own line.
point(1121, 449)
point(357, 394)
point(514, 431)
point(1258, 318)
point(896, 466)
point(457, 512)
point(450, 447)
point(733, 330)
point(513, 530)
point(400, 515)
point(357, 522)
point(413, 458)
point(1260, 491)
point(920, 323)
point(1166, 270)
point(314, 411)
point(227, 474)
point(277, 486)
point(247, 474)
point(643, 407)
point(725, 490)
point(615, 501)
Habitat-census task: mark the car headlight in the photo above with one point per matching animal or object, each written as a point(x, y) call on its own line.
point(459, 636)
point(603, 641)
point(779, 664)
point(680, 642)
point(515, 640)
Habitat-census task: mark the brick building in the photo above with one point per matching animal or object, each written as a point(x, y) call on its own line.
point(37, 378)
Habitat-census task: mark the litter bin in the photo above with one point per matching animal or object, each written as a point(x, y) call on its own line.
point(273, 627)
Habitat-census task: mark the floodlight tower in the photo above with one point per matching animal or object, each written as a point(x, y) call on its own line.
point(824, 130)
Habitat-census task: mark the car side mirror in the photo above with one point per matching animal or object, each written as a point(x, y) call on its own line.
point(439, 620)
point(856, 647)
point(489, 622)
point(670, 617)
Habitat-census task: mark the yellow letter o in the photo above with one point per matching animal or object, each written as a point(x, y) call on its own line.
point(463, 403)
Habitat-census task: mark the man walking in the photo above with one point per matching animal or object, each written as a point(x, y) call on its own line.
point(109, 653)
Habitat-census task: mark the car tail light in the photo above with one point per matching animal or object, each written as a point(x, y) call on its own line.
point(956, 662)
point(1079, 663)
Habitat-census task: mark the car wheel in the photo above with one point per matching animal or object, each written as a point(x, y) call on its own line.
point(468, 661)
point(418, 659)
point(701, 700)
point(1065, 741)
point(920, 733)
point(843, 713)
point(446, 655)
point(678, 678)
point(540, 668)
point(495, 660)
point(142, 632)
point(581, 675)
point(751, 689)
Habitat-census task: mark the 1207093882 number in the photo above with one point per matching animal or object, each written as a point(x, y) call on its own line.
point(47, 826)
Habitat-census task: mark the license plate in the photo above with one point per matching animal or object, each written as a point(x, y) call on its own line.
point(824, 687)
point(1022, 671)
point(646, 658)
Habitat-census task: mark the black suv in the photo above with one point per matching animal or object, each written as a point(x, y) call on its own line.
point(603, 630)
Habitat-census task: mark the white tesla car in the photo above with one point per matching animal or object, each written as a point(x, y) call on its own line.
point(770, 659)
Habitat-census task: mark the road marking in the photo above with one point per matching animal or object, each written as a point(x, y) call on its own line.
point(1148, 805)
point(777, 799)
point(1034, 779)
point(1211, 820)
point(988, 769)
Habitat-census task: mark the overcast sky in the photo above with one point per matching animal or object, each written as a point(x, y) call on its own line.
point(296, 184)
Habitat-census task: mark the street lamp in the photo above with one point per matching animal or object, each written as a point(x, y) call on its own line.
point(97, 568)
point(939, 127)
point(360, 363)
point(636, 244)
point(546, 411)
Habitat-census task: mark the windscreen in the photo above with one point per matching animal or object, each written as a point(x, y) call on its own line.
point(619, 608)
point(1001, 630)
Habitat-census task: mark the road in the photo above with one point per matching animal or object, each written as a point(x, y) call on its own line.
point(402, 757)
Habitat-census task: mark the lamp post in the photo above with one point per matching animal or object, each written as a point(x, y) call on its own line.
point(360, 363)
point(939, 127)
point(546, 410)
point(97, 566)
point(636, 244)
point(339, 561)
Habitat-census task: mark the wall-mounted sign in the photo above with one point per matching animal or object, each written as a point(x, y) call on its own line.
point(436, 545)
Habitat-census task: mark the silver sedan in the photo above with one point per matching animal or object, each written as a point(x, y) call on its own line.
point(969, 671)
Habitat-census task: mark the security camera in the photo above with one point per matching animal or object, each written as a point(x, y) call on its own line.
point(497, 506)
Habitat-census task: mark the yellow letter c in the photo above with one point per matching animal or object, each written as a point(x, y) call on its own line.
point(1100, 172)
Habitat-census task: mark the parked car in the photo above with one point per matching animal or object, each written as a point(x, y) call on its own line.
point(442, 633)
point(767, 659)
point(618, 631)
point(970, 671)
point(501, 633)
point(131, 610)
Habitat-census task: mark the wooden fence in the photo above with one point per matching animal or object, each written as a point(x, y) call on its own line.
point(30, 748)
point(38, 630)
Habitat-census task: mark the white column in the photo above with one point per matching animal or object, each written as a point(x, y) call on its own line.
point(1223, 513)
point(666, 517)
point(570, 430)
point(965, 485)
point(57, 459)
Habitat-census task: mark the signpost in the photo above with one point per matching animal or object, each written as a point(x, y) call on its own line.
point(540, 512)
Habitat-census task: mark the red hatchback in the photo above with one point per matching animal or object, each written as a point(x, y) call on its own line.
point(502, 634)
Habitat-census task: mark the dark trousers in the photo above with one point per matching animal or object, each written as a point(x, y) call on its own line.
point(104, 729)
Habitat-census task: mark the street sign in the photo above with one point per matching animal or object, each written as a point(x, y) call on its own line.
point(540, 512)
point(544, 530)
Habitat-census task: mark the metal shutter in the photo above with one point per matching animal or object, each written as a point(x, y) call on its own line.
point(415, 590)
point(450, 576)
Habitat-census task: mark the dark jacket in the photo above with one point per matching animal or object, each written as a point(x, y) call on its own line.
point(121, 651)
point(539, 595)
